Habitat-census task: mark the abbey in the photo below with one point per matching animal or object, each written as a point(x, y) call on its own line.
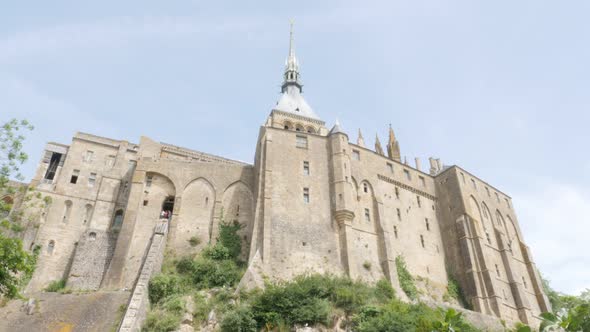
point(313, 201)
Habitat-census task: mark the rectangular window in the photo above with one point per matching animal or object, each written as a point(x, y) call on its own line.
point(110, 162)
point(306, 168)
point(390, 167)
point(399, 215)
point(148, 180)
point(88, 156)
point(367, 215)
point(356, 155)
point(54, 162)
point(395, 231)
point(422, 241)
point(427, 224)
point(422, 181)
point(418, 201)
point(408, 175)
point(488, 238)
point(75, 175)
point(145, 202)
point(497, 270)
point(524, 283)
point(92, 180)
point(301, 142)
point(396, 193)
point(306, 195)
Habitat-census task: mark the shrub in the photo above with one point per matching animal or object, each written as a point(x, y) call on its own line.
point(207, 273)
point(405, 278)
point(230, 239)
point(454, 291)
point(217, 252)
point(240, 319)
point(384, 291)
point(161, 321)
point(194, 241)
point(367, 265)
point(56, 286)
point(162, 286)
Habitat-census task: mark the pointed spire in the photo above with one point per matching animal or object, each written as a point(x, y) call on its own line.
point(393, 146)
point(360, 140)
point(378, 147)
point(291, 76)
point(337, 129)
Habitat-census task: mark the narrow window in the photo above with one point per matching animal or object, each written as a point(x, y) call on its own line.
point(54, 162)
point(524, 283)
point(88, 213)
point(148, 180)
point(488, 191)
point(306, 195)
point(408, 175)
point(399, 215)
point(67, 211)
point(422, 181)
point(118, 220)
point(145, 202)
point(473, 184)
point(504, 293)
point(92, 180)
point(51, 247)
point(88, 156)
point(356, 155)
point(395, 231)
point(75, 174)
point(488, 238)
point(365, 188)
point(367, 215)
point(497, 270)
point(497, 197)
point(390, 167)
point(507, 202)
point(110, 162)
point(418, 201)
point(396, 193)
point(422, 241)
point(306, 168)
point(427, 224)
point(301, 142)
point(463, 178)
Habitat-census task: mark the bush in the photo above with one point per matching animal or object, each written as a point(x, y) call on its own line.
point(405, 278)
point(240, 319)
point(384, 291)
point(161, 321)
point(230, 239)
point(56, 286)
point(217, 252)
point(194, 241)
point(162, 286)
point(207, 273)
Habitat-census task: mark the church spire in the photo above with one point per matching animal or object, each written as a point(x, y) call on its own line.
point(360, 141)
point(378, 147)
point(291, 76)
point(393, 146)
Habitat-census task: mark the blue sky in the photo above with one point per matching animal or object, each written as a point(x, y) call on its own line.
point(497, 87)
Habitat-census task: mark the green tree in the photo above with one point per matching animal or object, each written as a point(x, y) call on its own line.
point(15, 263)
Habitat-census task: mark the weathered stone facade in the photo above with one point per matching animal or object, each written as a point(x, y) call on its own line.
point(313, 201)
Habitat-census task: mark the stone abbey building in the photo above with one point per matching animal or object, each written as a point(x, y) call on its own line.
point(312, 201)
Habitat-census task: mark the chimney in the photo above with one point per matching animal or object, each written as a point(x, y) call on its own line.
point(417, 161)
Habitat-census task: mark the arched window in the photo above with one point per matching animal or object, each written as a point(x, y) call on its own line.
point(118, 220)
point(88, 213)
point(50, 247)
point(67, 211)
point(365, 187)
point(92, 236)
point(310, 130)
point(299, 128)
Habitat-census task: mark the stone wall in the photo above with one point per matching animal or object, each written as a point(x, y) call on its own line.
point(93, 252)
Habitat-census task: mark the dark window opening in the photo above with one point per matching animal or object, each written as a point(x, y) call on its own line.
point(145, 202)
point(118, 220)
point(53, 163)
point(422, 241)
point(74, 177)
point(168, 206)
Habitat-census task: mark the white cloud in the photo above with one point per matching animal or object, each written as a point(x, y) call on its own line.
point(555, 220)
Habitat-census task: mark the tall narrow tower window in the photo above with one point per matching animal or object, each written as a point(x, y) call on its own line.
point(306, 195)
point(306, 168)
point(367, 215)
